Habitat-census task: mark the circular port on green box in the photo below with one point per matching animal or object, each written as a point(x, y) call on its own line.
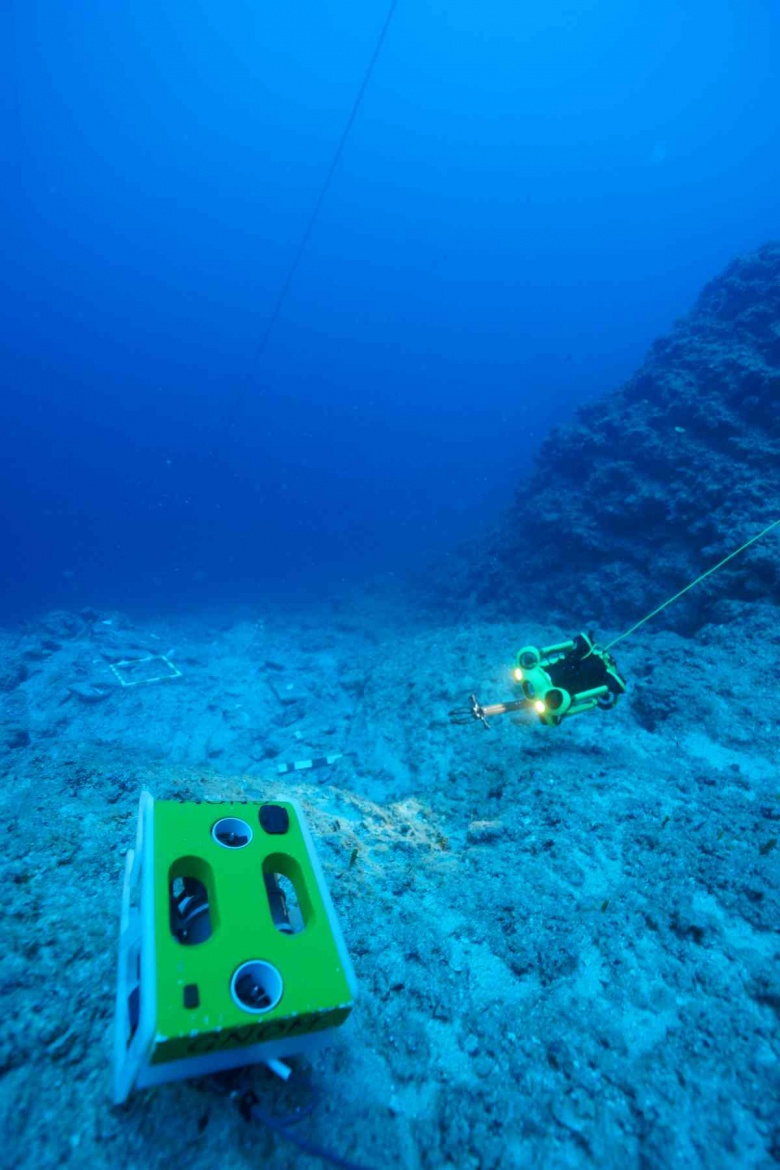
point(256, 986)
point(232, 833)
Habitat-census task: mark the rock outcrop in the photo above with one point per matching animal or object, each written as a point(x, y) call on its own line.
point(654, 483)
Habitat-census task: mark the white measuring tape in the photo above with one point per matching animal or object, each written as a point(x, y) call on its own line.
point(307, 765)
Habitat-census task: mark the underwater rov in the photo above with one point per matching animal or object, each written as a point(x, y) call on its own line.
point(569, 678)
point(230, 952)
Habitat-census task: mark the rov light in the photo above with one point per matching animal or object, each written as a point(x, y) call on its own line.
point(518, 675)
point(539, 707)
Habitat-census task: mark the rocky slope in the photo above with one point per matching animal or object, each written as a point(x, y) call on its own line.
point(657, 481)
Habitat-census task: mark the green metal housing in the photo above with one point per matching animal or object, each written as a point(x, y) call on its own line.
point(207, 931)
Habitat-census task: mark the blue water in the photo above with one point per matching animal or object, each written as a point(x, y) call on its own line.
point(529, 195)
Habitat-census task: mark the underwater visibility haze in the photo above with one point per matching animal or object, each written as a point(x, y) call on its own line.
point(390, 480)
point(528, 195)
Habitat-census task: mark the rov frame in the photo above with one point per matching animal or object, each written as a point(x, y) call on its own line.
point(565, 679)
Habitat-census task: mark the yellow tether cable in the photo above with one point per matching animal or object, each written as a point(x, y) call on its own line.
point(709, 572)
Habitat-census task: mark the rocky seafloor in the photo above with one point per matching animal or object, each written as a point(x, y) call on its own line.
point(566, 940)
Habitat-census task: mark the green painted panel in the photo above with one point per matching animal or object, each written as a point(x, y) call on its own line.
point(316, 992)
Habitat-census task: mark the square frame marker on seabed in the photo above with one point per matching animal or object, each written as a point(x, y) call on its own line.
point(118, 667)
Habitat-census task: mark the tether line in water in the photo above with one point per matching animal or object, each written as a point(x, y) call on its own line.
point(709, 573)
point(309, 228)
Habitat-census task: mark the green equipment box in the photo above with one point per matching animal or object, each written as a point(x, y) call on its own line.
point(230, 952)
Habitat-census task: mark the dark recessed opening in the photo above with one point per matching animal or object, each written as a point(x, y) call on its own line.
point(189, 910)
point(191, 996)
point(283, 902)
point(554, 699)
point(133, 1011)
